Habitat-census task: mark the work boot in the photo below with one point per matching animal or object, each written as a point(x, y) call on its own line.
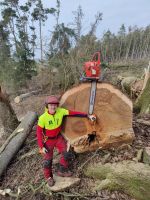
point(50, 181)
point(64, 172)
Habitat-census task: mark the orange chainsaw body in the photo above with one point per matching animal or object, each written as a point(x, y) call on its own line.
point(92, 68)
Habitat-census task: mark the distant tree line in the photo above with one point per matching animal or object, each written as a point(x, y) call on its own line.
point(21, 34)
point(134, 44)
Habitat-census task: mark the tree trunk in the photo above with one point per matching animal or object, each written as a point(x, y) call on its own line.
point(128, 176)
point(16, 139)
point(142, 104)
point(131, 85)
point(126, 84)
point(8, 117)
point(114, 118)
point(41, 42)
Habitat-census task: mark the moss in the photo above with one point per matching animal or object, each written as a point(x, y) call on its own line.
point(135, 186)
point(138, 189)
point(111, 185)
point(128, 177)
point(146, 157)
point(143, 103)
point(99, 172)
point(132, 186)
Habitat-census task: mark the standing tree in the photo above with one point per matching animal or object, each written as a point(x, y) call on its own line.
point(78, 22)
point(16, 20)
point(40, 14)
point(4, 53)
point(61, 39)
point(94, 25)
point(7, 115)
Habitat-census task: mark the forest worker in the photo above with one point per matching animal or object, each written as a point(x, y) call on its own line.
point(49, 137)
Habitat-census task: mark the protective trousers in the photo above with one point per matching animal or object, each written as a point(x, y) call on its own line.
point(61, 145)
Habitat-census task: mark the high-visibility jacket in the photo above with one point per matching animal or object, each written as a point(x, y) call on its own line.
point(51, 124)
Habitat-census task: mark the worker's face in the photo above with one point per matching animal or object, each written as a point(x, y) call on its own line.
point(52, 108)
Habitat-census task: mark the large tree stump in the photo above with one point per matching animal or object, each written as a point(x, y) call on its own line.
point(114, 118)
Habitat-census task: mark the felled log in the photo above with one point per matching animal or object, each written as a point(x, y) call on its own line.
point(127, 82)
point(114, 118)
point(142, 104)
point(131, 85)
point(130, 177)
point(15, 141)
point(20, 98)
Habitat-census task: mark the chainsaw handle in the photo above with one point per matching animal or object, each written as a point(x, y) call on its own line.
point(96, 57)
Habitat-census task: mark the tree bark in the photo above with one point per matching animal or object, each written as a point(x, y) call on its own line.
point(41, 42)
point(114, 118)
point(128, 176)
point(7, 115)
point(142, 104)
point(131, 85)
point(15, 141)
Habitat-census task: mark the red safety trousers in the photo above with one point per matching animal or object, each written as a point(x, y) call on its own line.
point(61, 145)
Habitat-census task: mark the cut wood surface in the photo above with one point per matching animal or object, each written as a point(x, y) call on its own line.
point(20, 98)
point(14, 142)
point(114, 117)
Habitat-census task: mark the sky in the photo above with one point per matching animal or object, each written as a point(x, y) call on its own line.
point(115, 13)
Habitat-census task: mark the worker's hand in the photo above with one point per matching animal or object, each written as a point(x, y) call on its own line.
point(92, 117)
point(43, 150)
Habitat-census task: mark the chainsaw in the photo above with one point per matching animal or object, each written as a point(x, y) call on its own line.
point(92, 73)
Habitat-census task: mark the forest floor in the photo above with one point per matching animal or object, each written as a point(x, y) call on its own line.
point(25, 173)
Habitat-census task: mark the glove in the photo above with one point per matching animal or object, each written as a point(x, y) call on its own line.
point(92, 117)
point(43, 150)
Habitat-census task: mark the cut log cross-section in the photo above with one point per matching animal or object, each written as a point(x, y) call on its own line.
point(114, 118)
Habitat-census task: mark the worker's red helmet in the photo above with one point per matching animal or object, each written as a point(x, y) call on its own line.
point(52, 100)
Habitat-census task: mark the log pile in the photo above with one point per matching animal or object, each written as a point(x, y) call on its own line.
point(114, 118)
